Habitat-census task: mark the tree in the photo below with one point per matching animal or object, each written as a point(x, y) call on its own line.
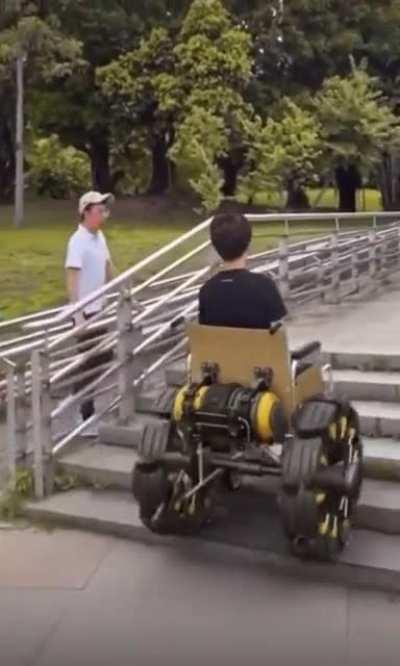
point(76, 111)
point(300, 43)
point(213, 70)
point(284, 155)
point(48, 55)
point(194, 78)
point(357, 127)
point(132, 86)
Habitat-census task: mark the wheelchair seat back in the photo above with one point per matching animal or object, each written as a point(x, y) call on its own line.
point(238, 351)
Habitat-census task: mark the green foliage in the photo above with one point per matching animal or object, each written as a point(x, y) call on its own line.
point(57, 171)
point(15, 493)
point(356, 121)
point(64, 481)
point(188, 89)
point(48, 53)
point(118, 78)
point(283, 151)
point(200, 141)
point(213, 67)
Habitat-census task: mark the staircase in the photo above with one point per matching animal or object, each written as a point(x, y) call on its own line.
point(106, 466)
point(146, 333)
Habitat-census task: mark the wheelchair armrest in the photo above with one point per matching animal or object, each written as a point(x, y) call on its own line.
point(306, 350)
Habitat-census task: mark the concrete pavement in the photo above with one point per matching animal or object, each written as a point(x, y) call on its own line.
point(368, 324)
point(75, 598)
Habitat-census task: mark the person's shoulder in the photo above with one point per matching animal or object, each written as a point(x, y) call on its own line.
point(212, 280)
point(74, 240)
point(262, 281)
point(259, 278)
point(76, 236)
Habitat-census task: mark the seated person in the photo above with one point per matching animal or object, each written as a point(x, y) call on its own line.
point(235, 297)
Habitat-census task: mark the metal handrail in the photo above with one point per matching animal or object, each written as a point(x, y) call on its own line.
point(306, 248)
point(125, 277)
point(144, 331)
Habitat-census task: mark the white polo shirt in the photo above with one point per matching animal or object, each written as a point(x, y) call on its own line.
point(89, 253)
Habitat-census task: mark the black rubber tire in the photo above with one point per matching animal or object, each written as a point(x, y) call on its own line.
point(302, 512)
point(153, 487)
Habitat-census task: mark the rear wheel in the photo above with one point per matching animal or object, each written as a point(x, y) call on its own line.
point(317, 517)
point(162, 504)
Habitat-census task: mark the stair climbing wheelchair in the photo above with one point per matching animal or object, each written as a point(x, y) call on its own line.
point(250, 408)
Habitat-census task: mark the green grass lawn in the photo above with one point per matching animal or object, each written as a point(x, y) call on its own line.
point(367, 199)
point(31, 258)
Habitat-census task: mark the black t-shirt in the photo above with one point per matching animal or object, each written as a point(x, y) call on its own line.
point(240, 299)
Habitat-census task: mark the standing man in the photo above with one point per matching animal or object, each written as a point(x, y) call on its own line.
point(89, 267)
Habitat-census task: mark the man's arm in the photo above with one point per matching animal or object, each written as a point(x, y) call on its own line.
point(110, 270)
point(72, 282)
point(73, 265)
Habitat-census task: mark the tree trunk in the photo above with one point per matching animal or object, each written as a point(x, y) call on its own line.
point(231, 170)
point(100, 164)
point(348, 181)
point(7, 164)
point(297, 198)
point(390, 181)
point(161, 172)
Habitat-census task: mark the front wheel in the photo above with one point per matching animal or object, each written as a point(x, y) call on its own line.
point(316, 515)
point(162, 504)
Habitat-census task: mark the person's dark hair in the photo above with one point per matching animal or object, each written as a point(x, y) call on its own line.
point(230, 235)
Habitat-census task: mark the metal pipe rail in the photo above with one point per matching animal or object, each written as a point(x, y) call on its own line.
point(190, 292)
point(313, 268)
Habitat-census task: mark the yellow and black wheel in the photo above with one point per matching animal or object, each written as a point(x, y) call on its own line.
point(317, 499)
point(163, 507)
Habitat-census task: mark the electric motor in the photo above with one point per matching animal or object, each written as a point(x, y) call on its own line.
point(226, 412)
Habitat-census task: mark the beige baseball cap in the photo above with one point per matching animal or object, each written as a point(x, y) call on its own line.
point(92, 198)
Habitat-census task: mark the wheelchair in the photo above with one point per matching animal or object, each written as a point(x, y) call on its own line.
point(250, 408)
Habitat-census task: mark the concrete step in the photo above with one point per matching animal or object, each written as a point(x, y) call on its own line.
point(378, 419)
point(371, 361)
point(124, 435)
point(101, 465)
point(379, 507)
point(381, 458)
point(156, 401)
point(359, 385)
point(111, 466)
point(249, 526)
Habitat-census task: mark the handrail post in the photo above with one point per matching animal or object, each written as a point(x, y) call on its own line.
point(11, 427)
point(21, 444)
point(373, 268)
point(127, 337)
point(320, 279)
point(355, 286)
point(335, 281)
point(283, 268)
point(43, 465)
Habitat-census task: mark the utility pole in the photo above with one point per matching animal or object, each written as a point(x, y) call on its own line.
point(19, 138)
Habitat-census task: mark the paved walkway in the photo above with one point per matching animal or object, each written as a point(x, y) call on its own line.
point(74, 598)
point(361, 325)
